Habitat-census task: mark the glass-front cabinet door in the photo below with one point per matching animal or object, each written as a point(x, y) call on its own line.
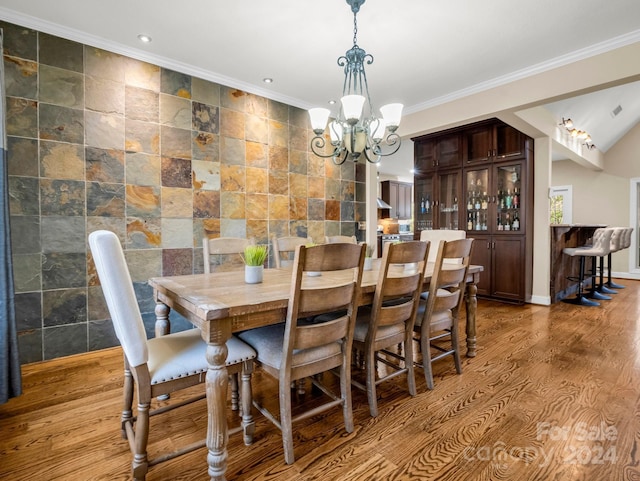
point(508, 182)
point(424, 196)
point(448, 200)
point(478, 197)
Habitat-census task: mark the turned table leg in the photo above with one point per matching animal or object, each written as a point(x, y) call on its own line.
point(472, 306)
point(162, 319)
point(216, 384)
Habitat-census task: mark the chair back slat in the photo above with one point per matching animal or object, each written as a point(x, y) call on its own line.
point(224, 253)
point(284, 249)
point(335, 239)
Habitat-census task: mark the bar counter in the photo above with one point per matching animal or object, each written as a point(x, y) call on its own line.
point(563, 266)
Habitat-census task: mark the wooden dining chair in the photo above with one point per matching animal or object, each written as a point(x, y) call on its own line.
point(224, 253)
point(308, 344)
point(332, 239)
point(389, 321)
point(436, 327)
point(284, 249)
point(158, 366)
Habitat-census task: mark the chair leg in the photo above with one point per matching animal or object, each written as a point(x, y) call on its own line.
point(425, 347)
point(285, 423)
point(345, 390)
point(408, 363)
point(127, 413)
point(234, 391)
point(455, 347)
point(370, 368)
point(246, 396)
point(140, 464)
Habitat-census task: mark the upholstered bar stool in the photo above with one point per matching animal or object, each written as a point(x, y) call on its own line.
point(617, 236)
point(623, 241)
point(600, 247)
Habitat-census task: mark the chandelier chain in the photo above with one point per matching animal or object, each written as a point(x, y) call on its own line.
point(355, 29)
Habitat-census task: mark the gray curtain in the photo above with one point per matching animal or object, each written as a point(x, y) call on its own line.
point(10, 379)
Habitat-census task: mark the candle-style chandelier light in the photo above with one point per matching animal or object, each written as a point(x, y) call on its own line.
point(357, 129)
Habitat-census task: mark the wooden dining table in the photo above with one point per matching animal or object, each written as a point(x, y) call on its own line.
point(221, 303)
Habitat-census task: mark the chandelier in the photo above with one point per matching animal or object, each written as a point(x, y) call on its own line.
point(356, 130)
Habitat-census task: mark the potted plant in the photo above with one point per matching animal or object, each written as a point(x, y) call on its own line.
point(254, 257)
point(368, 261)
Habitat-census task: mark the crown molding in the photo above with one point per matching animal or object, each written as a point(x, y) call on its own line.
point(58, 30)
point(575, 56)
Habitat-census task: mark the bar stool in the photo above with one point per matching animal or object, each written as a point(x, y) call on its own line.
point(617, 237)
point(601, 246)
point(624, 241)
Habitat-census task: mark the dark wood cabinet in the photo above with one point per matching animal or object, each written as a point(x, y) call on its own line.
point(490, 195)
point(502, 258)
point(438, 153)
point(487, 142)
point(398, 196)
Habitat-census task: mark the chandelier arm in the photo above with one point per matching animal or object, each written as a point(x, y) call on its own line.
point(318, 142)
point(337, 156)
point(377, 155)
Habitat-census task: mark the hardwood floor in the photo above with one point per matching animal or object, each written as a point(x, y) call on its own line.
point(554, 393)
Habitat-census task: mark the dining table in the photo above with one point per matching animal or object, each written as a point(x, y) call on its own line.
point(221, 303)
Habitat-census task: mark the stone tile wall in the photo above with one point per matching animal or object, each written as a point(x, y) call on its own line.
point(97, 140)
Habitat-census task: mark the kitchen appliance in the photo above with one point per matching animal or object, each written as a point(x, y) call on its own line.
point(389, 238)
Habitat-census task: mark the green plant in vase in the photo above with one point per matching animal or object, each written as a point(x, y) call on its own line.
point(254, 257)
point(368, 261)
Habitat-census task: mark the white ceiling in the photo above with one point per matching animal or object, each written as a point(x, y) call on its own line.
point(425, 52)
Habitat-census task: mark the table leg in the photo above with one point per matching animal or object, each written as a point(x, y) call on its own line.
point(472, 306)
point(217, 383)
point(163, 326)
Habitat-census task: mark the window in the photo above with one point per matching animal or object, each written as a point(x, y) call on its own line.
point(560, 204)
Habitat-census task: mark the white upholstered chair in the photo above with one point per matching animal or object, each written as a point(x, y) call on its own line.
point(437, 320)
point(224, 253)
point(389, 321)
point(437, 235)
point(301, 348)
point(158, 366)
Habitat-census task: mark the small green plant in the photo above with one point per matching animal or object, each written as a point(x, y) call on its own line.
point(368, 251)
point(255, 255)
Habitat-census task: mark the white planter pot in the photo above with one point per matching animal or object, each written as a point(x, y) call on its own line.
point(368, 263)
point(253, 274)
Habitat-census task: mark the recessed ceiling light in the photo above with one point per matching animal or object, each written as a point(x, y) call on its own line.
point(332, 102)
point(267, 80)
point(144, 38)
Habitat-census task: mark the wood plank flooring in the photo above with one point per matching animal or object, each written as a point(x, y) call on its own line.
point(554, 393)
